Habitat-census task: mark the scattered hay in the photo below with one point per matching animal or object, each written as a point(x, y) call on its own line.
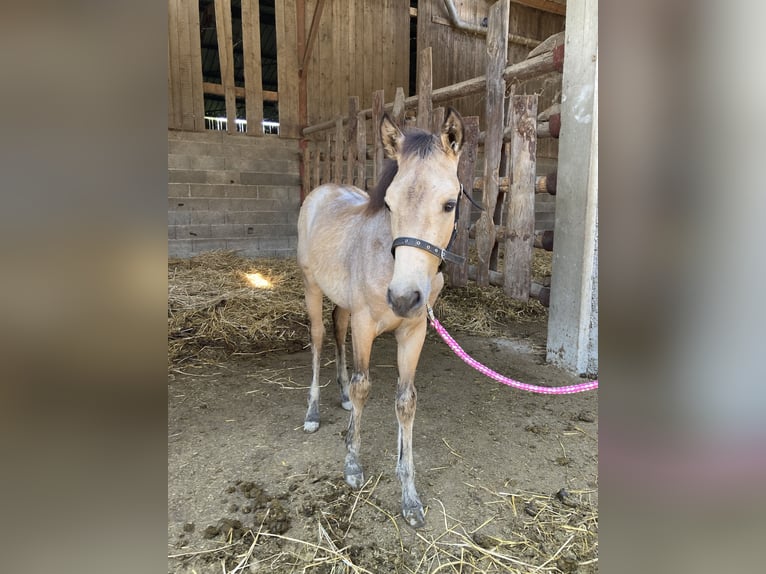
point(526, 532)
point(221, 304)
point(214, 311)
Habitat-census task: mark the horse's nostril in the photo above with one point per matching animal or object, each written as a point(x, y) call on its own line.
point(415, 299)
point(389, 299)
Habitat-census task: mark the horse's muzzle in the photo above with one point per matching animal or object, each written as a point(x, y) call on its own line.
point(404, 304)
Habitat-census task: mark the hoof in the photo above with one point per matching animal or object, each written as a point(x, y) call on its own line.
point(310, 426)
point(355, 481)
point(414, 516)
point(346, 405)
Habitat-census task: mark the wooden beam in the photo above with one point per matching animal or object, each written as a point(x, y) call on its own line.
point(544, 6)
point(198, 97)
point(288, 75)
point(251, 50)
point(337, 172)
point(425, 89)
point(520, 215)
point(351, 137)
point(361, 152)
point(300, 40)
point(524, 70)
point(497, 52)
point(226, 58)
point(537, 291)
point(218, 90)
point(397, 112)
point(312, 34)
point(458, 274)
point(377, 116)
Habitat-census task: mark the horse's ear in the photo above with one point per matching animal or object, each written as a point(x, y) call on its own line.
point(391, 136)
point(452, 132)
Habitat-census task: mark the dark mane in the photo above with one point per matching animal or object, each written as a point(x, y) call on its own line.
point(416, 141)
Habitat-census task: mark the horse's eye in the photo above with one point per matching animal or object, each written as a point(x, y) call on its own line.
point(450, 205)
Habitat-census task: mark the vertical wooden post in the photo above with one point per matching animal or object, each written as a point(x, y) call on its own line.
point(353, 123)
point(504, 171)
point(175, 109)
point(326, 172)
point(305, 170)
point(287, 71)
point(425, 88)
point(251, 50)
point(361, 152)
point(317, 162)
point(300, 42)
point(337, 172)
point(226, 57)
point(458, 274)
point(198, 97)
point(573, 319)
point(437, 119)
point(520, 217)
point(397, 113)
point(497, 40)
point(377, 115)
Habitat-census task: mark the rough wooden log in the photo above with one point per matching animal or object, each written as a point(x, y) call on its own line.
point(377, 116)
point(361, 152)
point(425, 89)
point(397, 111)
point(353, 124)
point(337, 172)
point(544, 240)
point(546, 183)
point(316, 164)
point(497, 52)
point(548, 112)
point(305, 169)
point(547, 45)
point(524, 70)
point(458, 274)
point(326, 164)
point(538, 291)
point(520, 217)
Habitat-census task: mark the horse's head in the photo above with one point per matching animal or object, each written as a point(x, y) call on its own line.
point(422, 198)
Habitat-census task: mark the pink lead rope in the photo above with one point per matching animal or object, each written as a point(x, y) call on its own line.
point(466, 358)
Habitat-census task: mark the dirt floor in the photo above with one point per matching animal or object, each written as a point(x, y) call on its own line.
point(509, 479)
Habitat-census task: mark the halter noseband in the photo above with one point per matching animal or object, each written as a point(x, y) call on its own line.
point(443, 254)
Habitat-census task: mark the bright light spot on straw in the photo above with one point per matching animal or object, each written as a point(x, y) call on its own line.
point(258, 281)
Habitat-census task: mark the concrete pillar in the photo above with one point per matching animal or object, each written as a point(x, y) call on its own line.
point(573, 320)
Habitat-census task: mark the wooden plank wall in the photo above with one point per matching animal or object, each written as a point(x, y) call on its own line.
point(185, 100)
point(459, 56)
point(361, 47)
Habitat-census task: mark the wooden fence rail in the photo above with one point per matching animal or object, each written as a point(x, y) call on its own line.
point(337, 150)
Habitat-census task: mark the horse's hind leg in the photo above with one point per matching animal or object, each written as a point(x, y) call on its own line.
point(314, 308)
point(340, 317)
point(410, 342)
point(362, 335)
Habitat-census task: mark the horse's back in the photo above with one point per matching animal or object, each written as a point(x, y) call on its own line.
point(328, 218)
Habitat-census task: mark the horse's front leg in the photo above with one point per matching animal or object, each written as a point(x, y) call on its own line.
point(362, 335)
point(410, 337)
point(314, 308)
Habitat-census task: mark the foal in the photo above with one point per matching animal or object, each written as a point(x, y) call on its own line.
point(345, 252)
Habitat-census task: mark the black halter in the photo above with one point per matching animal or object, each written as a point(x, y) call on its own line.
point(443, 254)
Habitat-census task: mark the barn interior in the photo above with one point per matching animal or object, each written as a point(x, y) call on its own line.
point(268, 100)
